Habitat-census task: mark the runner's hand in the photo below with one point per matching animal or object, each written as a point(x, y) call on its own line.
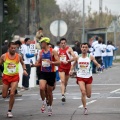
point(65, 62)
point(71, 72)
point(25, 73)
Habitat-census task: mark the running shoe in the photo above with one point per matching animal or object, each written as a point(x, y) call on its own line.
point(43, 108)
point(9, 115)
point(85, 111)
point(63, 98)
point(49, 111)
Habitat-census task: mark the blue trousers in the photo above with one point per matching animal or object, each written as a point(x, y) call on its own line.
point(109, 61)
point(105, 61)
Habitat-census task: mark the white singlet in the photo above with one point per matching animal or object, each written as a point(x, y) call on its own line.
point(84, 67)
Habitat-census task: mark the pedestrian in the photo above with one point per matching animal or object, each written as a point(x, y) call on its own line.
point(64, 52)
point(98, 50)
point(84, 73)
point(110, 49)
point(26, 53)
point(48, 60)
point(10, 76)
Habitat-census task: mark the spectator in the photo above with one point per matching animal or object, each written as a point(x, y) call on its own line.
point(26, 56)
point(39, 34)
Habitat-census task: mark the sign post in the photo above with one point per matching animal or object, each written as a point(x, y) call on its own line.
point(58, 28)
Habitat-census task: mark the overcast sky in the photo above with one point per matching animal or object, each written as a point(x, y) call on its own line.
point(113, 5)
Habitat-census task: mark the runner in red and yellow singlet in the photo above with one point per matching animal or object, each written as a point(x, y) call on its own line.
point(10, 77)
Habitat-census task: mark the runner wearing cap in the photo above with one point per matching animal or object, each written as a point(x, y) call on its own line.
point(48, 60)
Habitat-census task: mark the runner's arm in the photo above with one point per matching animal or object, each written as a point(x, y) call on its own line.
point(22, 63)
point(95, 62)
point(23, 66)
point(72, 54)
point(37, 63)
point(57, 60)
point(2, 59)
point(73, 65)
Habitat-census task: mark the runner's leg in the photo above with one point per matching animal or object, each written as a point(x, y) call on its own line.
point(83, 92)
point(5, 90)
point(88, 90)
point(66, 81)
point(62, 78)
point(50, 95)
point(42, 85)
point(12, 94)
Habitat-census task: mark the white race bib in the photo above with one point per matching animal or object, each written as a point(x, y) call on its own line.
point(11, 68)
point(45, 63)
point(63, 58)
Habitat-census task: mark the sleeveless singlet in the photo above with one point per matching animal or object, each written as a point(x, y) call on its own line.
point(46, 66)
point(64, 57)
point(84, 67)
point(11, 66)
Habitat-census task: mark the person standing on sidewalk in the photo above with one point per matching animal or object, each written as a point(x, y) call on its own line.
point(26, 57)
point(10, 76)
point(48, 60)
point(65, 52)
point(84, 73)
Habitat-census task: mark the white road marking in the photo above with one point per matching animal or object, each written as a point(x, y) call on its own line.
point(115, 91)
point(94, 84)
point(113, 97)
point(81, 106)
point(29, 94)
point(15, 99)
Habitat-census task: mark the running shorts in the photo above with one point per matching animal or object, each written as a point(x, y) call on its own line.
point(85, 80)
point(49, 77)
point(7, 80)
point(64, 70)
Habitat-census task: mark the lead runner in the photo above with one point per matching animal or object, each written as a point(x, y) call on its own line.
point(84, 73)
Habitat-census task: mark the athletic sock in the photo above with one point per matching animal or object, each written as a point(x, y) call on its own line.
point(9, 110)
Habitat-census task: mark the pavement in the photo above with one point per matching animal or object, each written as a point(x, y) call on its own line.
point(103, 105)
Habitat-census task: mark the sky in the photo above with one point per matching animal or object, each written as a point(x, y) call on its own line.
point(113, 5)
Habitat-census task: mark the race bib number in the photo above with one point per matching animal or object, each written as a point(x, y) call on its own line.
point(63, 58)
point(11, 68)
point(45, 63)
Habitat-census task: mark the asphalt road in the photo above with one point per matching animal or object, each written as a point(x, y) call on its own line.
point(103, 105)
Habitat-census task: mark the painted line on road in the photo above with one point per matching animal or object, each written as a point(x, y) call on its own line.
point(94, 84)
point(88, 103)
point(29, 94)
point(15, 99)
point(113, 97)
point(115, 91)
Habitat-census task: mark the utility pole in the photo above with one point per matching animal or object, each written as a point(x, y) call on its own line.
point(100, 13)
point(83, 21)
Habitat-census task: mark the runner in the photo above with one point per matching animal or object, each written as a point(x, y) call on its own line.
point(64, 53)
point(84, 73)
point(48, 60)
point(10, 76)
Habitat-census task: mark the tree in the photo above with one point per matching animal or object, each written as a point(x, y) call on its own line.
point(10, 22)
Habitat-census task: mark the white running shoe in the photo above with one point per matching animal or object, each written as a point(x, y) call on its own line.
point(63, 98)
point(43, 108)
point(49, 111)
point(85, 111)
point(9, 115)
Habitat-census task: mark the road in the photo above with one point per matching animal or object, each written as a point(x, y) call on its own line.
point(103, 105)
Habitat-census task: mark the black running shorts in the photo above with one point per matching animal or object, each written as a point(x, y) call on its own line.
point(49, 77)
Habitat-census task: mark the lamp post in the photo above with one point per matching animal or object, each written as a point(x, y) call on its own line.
point(83, 22)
